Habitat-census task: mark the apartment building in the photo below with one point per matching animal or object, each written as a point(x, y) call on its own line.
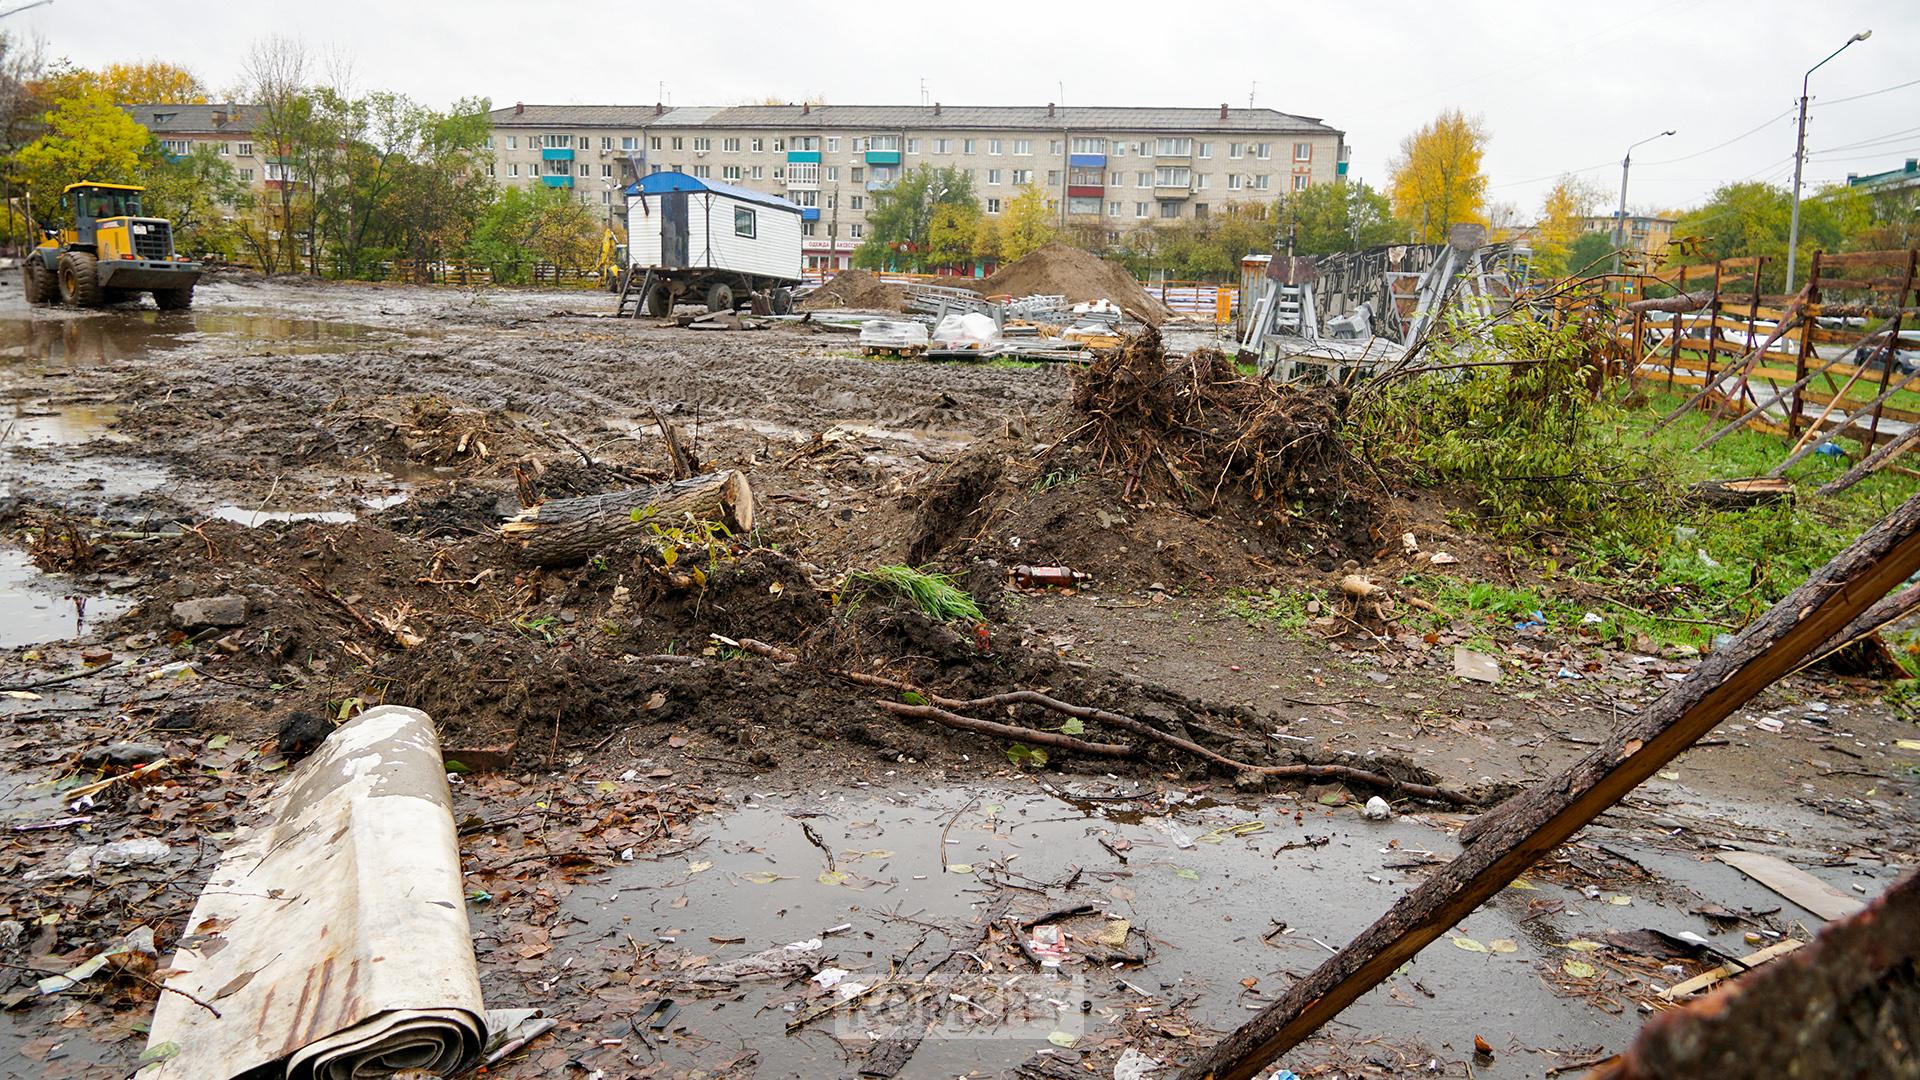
point(228, 128)
point(1645, 234)
point(1108, 169)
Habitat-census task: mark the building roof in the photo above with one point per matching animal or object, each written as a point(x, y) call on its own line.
point(1907, 175)
point(880, 119)
point(193, 119)
point(661, 183)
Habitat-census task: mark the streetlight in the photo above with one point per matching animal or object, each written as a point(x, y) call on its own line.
point(1800, 154)
point(1620, 219)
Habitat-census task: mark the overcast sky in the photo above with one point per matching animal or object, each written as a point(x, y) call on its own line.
point(1561, 87)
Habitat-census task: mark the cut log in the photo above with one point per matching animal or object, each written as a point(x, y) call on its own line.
point(1684, 302)
point(571, 530)
point(1740, 494)
point(1535, 822)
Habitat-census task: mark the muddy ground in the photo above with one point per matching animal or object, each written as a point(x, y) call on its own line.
point(632, 792)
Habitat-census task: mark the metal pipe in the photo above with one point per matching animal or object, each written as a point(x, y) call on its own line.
point(1800, 154)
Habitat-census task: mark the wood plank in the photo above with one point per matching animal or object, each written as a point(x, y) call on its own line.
point(1713, 976)
point(1794, 883)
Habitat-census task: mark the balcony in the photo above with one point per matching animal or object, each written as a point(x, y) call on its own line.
point(1167, 192)
point(879, 185)
point(1087, 161)
point(803, 157)
point(556, 153)
point(558, 180)
point(802, 176)
point(1086, 191)
point(883, 157)
point(809, 213)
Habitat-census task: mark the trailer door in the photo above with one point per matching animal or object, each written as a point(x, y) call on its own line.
point(673, 229)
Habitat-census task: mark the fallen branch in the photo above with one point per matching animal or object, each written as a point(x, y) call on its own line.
point(1004, 731)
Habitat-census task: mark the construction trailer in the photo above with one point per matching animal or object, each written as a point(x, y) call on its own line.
point(691, 240)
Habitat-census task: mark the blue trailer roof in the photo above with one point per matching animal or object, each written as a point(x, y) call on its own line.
point(661, 183)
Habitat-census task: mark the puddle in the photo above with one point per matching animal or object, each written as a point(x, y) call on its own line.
point(1211, 901)
point(76, 339)
point(32, 424)
point(36, 608)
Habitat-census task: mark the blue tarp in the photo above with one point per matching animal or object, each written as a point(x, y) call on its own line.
point(661, 183)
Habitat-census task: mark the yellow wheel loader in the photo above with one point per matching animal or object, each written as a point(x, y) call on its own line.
point(111, 254)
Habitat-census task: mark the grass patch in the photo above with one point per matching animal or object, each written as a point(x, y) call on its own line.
point(937, 595)
point(1277, 608)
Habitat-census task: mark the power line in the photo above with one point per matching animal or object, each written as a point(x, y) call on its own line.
point(1552, 176)
point(1756, 129)
point(1871, 140)
point(1868, 94)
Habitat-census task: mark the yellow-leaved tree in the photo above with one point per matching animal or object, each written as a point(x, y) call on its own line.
point(1563, 220)
point(152, 82)
point(1436, 179)
point(1028, 224)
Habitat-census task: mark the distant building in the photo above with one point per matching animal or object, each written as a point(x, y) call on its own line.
point(227, 128)
point(1646, 235)
point(1905, 178)
point(1105, 169)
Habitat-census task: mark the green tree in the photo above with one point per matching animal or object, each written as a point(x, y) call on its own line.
point(986, 239)
point(1028, 224)
point(1345, 216)
point(1589, 255)
point(444, 186)
point(1436, 179)
point(900, 218)
point(1752, 218)
point(88, 137)
point(951, 233)
point(199, 192)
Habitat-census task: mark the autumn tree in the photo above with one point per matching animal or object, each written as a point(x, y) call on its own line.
point(951, 233)
point(149, 82)
point(900, 218)
point(1436, 178)
point(88, 137)
point(1563, 220)
point(1028, 224)
point(986, 239)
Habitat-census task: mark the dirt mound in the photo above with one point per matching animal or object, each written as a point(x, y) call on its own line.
point(1080, 276)
point(855, 290)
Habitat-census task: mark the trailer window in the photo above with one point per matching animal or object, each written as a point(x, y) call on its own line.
point(743, 223)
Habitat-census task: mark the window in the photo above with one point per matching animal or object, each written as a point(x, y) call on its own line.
point(606, 142)
point(1301, 181)
point(729, 172)
point(883, 142)
point(967, 145)
point(583, 143)
point(759, 172)
point(1117, 179)
point(1263, 151)
point(1081, 176)
point(586, 169)
point(1113, 209)
point(913, 146)
point(282, 173)
point(856, 174)
point(1139, 209)
point(1169, 209)
point(806, 228)
point(1303, 151)
point(606, 171)
point(993, 147)
point(1200, 209)
point(943, 146)
point(1202, 180)
point(854, 231)
point(1233, 181)
point(654, 142)
point(833, 174)
point(1053, 177)
point(701, 142)
point(757, 145)
point(555, 142)
point(629, 142)
point(1260, 182)
point(833, 144)
point(1023, 176)
point(1119, 148)
point(1174, 148)
point(1206, 150)
point(1144, 179)
point(176, 147)
point(513, 169)
point(246, 175)
point(856, 202)
point(1082, 205)
point(1023, 147)
point(490, 168)
point(1172, 176)
point(513, 143)
point(808, 143)
point(731, 146)
point(743, 222)
point(1236, 150)
point(993, 176)
point(993, 206)
point(806, 198)
point(1054, 147)
point(1083, 145)
point(606, 197)
point(704, 172)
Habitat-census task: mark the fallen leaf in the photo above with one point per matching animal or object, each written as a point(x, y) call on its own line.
point(1062, 1039)
point(1468, 944)
point(832, 877)
point(1579, 969)
point(1073, 727)
point(20, 695)
point(1482, 1046)
point(1523, 883)
point(696, 867)
point(1503, 945)
point(762, 877)
point(219, 742)
point(1115, 935)
point(1582, 946)
point(1621, 901)
point(1249, 982)
point(1189, 874)
point(961, 868)
point(1907, 744)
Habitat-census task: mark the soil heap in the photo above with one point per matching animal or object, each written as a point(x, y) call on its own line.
point(855, 290)
point(1080, 276)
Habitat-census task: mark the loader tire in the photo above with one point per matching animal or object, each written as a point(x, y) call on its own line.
point(174, 299)
point(80, 280)
point(37, 281)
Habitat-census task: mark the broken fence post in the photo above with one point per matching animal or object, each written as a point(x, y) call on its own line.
point(1538, 820)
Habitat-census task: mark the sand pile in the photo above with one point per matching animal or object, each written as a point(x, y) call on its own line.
point(855, 290)
point(1080, 276)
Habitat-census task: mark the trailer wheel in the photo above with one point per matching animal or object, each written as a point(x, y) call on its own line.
point(783, 301)
point(659, 300)
point(174, 299)
point(720, 297)
point(79, 281)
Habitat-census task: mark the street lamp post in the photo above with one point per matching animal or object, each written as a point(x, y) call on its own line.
point(1800, 154)
point(1620, 218)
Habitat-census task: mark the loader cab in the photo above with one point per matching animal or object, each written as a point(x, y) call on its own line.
point(93, 204)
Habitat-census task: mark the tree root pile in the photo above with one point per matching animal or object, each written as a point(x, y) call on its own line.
point(1214, 439)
